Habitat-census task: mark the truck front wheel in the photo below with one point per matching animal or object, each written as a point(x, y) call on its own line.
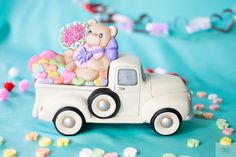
point(166, 121)
point(68, 121)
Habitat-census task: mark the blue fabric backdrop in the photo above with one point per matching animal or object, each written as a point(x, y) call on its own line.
point(206, 60)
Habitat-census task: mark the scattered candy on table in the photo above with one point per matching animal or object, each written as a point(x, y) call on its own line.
point(208, 115)
point(9, 86)
point(130, 152)
point(217, 100)
point(212, 96)
point(63, 142)
point(113, 154)
point(24, 85)
point(9, 152)
point(85, 152)
point(13, 72)
point(214, 107)
point(98, 152)
point(31, 136)
point(45, 142)
point(222, 123)
point(191, 143)
point(225, 141)
point(1, 140)
point(201, 94)
point(42, 152)
point(199, 107)
point(168, 155)
point(228, 131)
point(3, 94)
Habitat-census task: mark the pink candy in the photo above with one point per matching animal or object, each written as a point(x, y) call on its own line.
point(228, 131)
point(214, 107)
point(3, 94)
point(68, 76)
point(201, 94)
point(24, 85)
point(114, 154)
point(199, 107)
point(217, 100)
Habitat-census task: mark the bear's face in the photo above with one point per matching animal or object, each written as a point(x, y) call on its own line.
point(99, 34)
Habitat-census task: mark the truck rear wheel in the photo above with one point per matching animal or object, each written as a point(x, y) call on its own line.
point(166, 121)
point(68, 121)
point(103, 103)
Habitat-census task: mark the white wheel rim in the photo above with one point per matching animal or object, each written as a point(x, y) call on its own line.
point(69, 122)
point(166, 123)
point(103, 106)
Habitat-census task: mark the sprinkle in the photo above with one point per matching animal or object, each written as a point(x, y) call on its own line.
point(86, 152)
point(42, 152)
point(13, 72)
point(214, 107)
point(130, 152)
point(217, 100)
point(31, 136)
point(24, 85)
point(198, 114)
point(201, 94)
point(208, 115)
point(1, 140)
point(228, 131)
point(9, 152)
point(225, 141)
point(199, 107)
point(168, 155)
point(212, 96)
point(45, 141)
point(63, 142)
point(9, 86)
point(3, 94)
point(191, 143)
point(113, 154)
point(98, 152)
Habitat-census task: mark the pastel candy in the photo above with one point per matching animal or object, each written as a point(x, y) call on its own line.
point(77, 81)
point(103, 74)
point(89, 83)
point(98, 82)
point(222, 123)
point(42, 152)
point(38, 68)
point(225, 141)
point(199, 107)
point(228, 131)
point(104, 82)
point(43, 61)
point(68, 76)
point(208, 115)
point(9, 152)
point(212, 96)
point(58, 80)
point(24, 85)
point(45, 142)
point(48, 54)
point(53, 61)
point(198, 114)
point(61, 69)
point(33, 60)
point(1, 140)
point(214, 107)
point(50, 67)
point(217, 100)
point(63, 142)
point(168, 155)
point(41, 75)
point(45, 80)
point(31, 136)
point(98, 153)
point(52, 73)
point(191, 143)
point(13, 72)
point(130, 152)
point(113, 154)
point(86, 152)
point(201, 94)
point(3, 94)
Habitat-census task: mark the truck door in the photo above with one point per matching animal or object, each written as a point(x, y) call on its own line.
point(127, 86)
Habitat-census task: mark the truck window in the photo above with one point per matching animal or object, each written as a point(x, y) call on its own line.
point(127, 77)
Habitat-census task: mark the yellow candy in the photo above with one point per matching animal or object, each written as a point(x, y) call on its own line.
point(45, 141)
point(52, 73)
point(9, 153)
point(63, 142)
point(98, 82)
point(225, 141)
point(43, 61)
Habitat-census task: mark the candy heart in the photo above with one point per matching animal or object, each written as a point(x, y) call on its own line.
point(89, 83)
point(43, 61)
point(42, 152)
point(50, 67)
point(103, 74)
point(53, 61)
point(45, 80)
point(68, 76)
point(37, 68)
point(98, 82)
point(61, 69)
point(52, 73)
point(58, 80)
point(48, 54)
point(78, 81)
point(41, 74)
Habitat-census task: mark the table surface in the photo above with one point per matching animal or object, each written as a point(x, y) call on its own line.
point(206, 60)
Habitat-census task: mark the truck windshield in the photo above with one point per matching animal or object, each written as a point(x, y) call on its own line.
point(143, 73)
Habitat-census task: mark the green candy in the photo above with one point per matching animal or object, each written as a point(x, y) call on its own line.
point(89, 83)
point(191, 143)
point(98, 153)
point(78, 82)
point(54, 62)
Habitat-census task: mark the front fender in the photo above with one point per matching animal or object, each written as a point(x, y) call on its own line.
point(177, 101)
point(58, 101)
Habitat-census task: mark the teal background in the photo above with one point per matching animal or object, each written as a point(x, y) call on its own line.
point(206, 60)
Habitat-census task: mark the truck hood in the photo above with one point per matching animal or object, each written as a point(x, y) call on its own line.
point(165, 84)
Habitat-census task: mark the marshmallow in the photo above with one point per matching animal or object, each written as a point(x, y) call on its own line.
point(9, 152)
point(191, 143)
point(225, 141)
point(130, 152)
point(42, 152)
point(86, 152)
point(63, 142)
point(31, 136)
point(45, 142)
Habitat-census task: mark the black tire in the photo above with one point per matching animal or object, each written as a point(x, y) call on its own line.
point(107, 92)
point(166, 110)
point(71, 109)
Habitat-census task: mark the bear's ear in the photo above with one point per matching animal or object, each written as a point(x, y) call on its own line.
point(113, 30)
point(91, 22)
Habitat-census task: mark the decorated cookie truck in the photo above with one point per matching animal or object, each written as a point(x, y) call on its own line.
point(131, 96)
